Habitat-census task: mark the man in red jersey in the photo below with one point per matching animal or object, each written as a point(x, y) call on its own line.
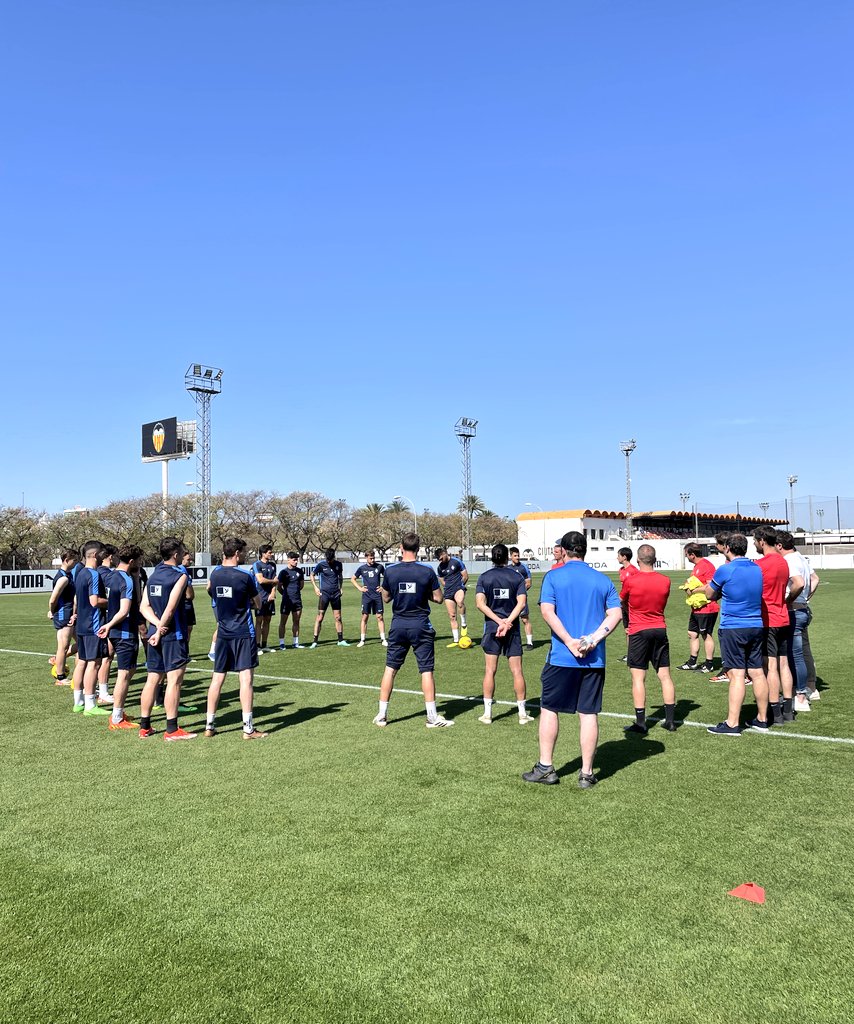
point(644, 597)
point(775, 621)
point(624, 557)
point(559, 555)
point(702, 620)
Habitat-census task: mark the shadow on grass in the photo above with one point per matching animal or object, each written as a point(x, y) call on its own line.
point(235, 715)
point(683, 708)
point(302, 715)
point(615, 755)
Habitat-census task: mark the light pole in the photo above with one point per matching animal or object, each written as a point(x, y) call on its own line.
point(792, 481)
point(402, 497)
point(532, 504)
point(820, 513)
point(466, 429)
point(627, 447)
point(764, 506)
point(684, 497)
point(204, 383)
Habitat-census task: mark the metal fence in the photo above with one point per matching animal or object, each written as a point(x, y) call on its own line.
point(811, 512)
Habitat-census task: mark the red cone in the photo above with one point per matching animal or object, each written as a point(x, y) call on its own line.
point(749, 891)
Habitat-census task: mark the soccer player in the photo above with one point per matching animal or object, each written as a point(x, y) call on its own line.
point(802, 584)
point(644, 597)
point(60, 610)
point(265, 575)
point(519, 566)
point(738, 585)
point(331, 574)
point(581, 607)
point(91, 602)
point(701, 622)
point(370, 574)
point(627, 569)
point(166, 654)
point(775, 621)
point(409, 586)
point(106, 565)
point(501, 596)
point(236, 594)
point(122, 629)
point(291, 582)
point(452, 571)
point(189, 596)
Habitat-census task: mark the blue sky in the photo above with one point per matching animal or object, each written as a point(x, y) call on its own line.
point(574, 222)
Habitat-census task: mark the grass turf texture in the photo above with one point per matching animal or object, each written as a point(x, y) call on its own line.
point(338, 872)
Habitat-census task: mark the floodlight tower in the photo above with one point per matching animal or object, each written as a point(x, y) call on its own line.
point(764, 505)
point(683, 497)
point(466, 429)
point(792, 481)
point(627, 447)
point(203, 382)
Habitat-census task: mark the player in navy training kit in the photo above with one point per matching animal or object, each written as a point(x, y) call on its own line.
point(236, 594)
point(91, 601)
point(519, 566)
point(106, 565)
point(454, 575)
point(367, 580)
point(265, 576)
point(501, 596)
point(60, 610)
point(410, 586)
point(291, 582)
point(166, 652)
point(122, 628)
point(189, 596)
point(331, 574)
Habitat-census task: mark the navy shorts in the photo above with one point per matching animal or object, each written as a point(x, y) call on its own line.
point(234, 654)
point(91, 648)
point(326, 600)
point(267, 610)
point(126, 649)
point(372, 604)
point(568, 690)
point(510, 645)
point(702, 624)
point(649, 646)
point(59, 625)
point(741, 648)
point(189, 614)
point(776, 641)
point(451, 595)
point(170, 654)
point(419, 636)
point(291, 605)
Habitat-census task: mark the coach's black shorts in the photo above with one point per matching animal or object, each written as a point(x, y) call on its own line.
point(291, 605)
point(267, 610)
point(625, 616)
point(702, 624)
point(776, 641)
point(234, 654)
point(569, 690)
point(91, 648)
point(419, 636)
point(649, 646)
point(126, 649)
point(326, 600)
point(189, 614)
point(372, 604)
point(170, 654)
point(741, 648)
point(510, 645)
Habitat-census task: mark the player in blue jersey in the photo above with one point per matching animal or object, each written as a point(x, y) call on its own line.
point(91, 602)
point(454, 576)
point(501, 597)
point(409, 586)
point(265, 575)
point(166, 651)
point(581, 607)
point(519, 566)
point(106, 564)
point(237, 594)
point(367, 579)
point(330, 572)
point(291, 582)
point(122, 628)
point(60, 611)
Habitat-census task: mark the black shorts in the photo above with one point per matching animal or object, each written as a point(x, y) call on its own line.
point(267, 610)
point(625, 617)
point(372, 604)
point(419, 636)
point(702, 624)
point(741, 648)
point(326, 600)
point(453, 596)
point(289, 605)
point(510, 645)
point(126, 649)
point(234, 654)
point(91, 648)
point(649, 646)
point(189, 614)
point(776, 641)
point(170, 654)
point(569, 690)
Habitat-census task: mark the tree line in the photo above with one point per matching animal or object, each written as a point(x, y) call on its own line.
point(303, 521)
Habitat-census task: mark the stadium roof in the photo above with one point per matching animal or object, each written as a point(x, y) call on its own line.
point(671, 513)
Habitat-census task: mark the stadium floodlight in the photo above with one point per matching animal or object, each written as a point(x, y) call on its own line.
point(627, 447)
point(402, 497)
point(684, 496)
point(820, 513)
point(764, 505)
point(466, 429)
point(791, 516)
point(203, 383)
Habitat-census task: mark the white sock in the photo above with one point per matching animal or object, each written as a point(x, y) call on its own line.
point(103, 691)
point(210, 722)
point(247, 723)
point(529, 637)
point(523, 711)
point(382, 634)
point(78, 697)
point(213, 649)
point(383, 708)
point(432, 713)
point(89, 701)
point(363, 637)
point(282, 642)
point(463, 621)
point(487, 706)
point(296, 641)
point(456, 633)
point(118, 715)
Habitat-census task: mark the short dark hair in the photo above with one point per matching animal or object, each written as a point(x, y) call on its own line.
point(108, 549)
point(91, 547)
point(722, 537)
point(265, 548)
point(737, 543)
point(574, 543)
point(646, 554)
point(626, 552)
point(129, 552)
point(293, 554)
point(329, 554)
point(440, 551)
point(693, 549)
point(786, 540)
point(169, 547)
point(767, 534)
point(69, 553)
point(500, 554)
point(513, 551)
point(411, 542)
point(232, 546)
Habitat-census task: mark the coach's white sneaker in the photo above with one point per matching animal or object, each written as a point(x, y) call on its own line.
point(361, 643)
point(381, 721)
point(439, 722)
point(525, 719)
point(801, 704)
point(815, 695)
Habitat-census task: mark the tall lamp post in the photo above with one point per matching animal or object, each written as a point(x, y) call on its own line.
point(764, 506)
point(683, 497)
point(820, 513)
point(627, 447)
point(402, 497)
point(466, 429)
point(792, 481)
point(532, 504)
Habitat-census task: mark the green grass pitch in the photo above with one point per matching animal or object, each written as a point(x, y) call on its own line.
point(341, 873)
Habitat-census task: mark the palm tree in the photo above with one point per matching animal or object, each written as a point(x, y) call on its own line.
point(473, 506)
point(375, 508)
